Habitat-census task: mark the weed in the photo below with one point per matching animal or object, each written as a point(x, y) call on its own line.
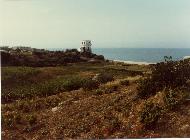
point(149, 113)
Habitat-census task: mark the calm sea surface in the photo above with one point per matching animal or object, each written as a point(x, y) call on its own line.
point(150, 55)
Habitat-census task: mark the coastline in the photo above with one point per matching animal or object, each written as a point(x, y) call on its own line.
point(132, 62)
point(140, 62)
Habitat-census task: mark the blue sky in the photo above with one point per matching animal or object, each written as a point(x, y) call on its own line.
point(108, 23)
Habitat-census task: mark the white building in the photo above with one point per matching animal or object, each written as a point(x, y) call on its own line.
point(86, 46)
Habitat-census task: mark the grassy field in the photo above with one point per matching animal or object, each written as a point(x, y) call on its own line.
point(63, 102)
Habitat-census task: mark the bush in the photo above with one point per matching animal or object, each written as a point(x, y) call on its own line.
point(73, 84)
point(174, 97)
point(165, 74)
point(71, 50)
point(99, 57)
point(90, 84)
point(6, 57)
point(124, 82)
point(146, 88)
point(172, 73)
point(149, 113)
point(104, 77)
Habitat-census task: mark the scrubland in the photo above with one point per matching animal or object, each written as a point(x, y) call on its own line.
point(96, 101)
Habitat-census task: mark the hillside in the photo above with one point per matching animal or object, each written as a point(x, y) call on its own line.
point(42, 58)
point(102, 100)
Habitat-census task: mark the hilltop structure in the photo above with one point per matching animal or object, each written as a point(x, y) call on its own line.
point(86, 46)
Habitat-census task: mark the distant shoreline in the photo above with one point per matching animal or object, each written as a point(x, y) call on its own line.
point(140, 62)
point(133, 62)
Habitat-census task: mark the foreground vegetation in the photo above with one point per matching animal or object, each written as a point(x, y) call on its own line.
point(101, 100)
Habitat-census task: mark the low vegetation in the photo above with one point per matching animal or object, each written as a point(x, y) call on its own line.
point(104, 77)
point(165, 75)
point(47, 58)
point(173, 97)
point(43, 89)
point(150, 113)
point(171, 79)
point(96, 100)
point(90, 84)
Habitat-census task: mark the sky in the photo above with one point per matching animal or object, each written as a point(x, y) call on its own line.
point(108, 23)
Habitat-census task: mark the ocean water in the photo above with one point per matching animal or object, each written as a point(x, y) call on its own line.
point(149, 55)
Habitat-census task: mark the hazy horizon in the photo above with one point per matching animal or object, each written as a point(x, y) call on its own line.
point(115, 23)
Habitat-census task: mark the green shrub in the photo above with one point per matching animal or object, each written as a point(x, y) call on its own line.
point(73, 84)
point(90, 84)
point(104, 77)
point(146, 88)
point(149, 113)
point(165, 74)
point(174, 97)
point(172, 73)
point(124, 82)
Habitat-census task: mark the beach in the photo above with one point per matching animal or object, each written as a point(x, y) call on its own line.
point(133, 62)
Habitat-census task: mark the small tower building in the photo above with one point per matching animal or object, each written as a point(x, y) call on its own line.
point(86, 46)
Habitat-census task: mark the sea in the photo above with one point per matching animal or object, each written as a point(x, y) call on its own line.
point(149, 55)
point(141, 55)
